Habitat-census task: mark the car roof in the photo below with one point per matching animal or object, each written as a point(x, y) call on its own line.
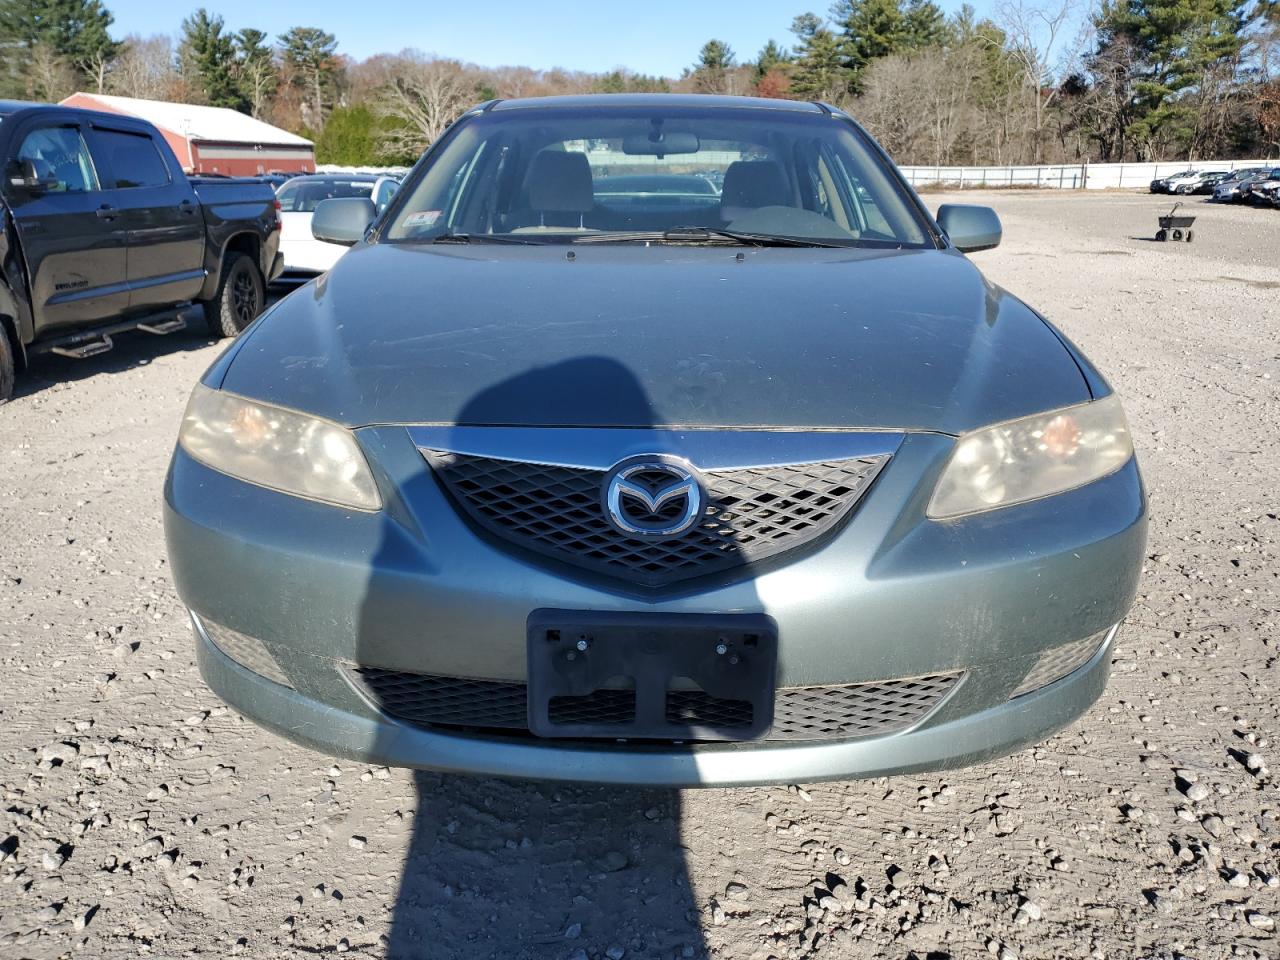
point(13, 106)
point(591, 101)
point(359, 177)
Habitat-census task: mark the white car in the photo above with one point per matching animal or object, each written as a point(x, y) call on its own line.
point(304, 255)
point(1184, 182)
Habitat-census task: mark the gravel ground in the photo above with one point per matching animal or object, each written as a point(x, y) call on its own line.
point(142, 818)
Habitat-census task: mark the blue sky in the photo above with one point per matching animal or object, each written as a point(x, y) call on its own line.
point(650, 36)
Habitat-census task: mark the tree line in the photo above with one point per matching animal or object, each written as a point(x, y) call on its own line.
point(1039, 81)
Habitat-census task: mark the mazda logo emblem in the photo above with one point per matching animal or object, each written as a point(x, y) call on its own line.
point(653, 496)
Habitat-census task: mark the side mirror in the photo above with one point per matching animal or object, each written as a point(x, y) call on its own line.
point(342, 220)
point(23, 176)
point(970, 227)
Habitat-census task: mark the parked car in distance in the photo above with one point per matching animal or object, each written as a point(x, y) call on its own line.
point(1236, 187)
point(772, 489)
point(1261, 190)
point(1206, 182)
point(1161, 184)
point(1170, 183)
point(305, 256)
point(278, 178)
point(104, 233)
point(1202, 181)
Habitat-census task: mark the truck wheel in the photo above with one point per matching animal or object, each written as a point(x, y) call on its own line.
point(6, 366)
point(240, 297)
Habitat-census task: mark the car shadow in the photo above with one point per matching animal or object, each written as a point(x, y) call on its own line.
point(131, 349)
point(539, 869)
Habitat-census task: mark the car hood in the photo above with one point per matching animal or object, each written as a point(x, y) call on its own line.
point(632, 335)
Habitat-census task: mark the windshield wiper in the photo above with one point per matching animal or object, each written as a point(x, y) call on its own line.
point(482, 238)
point(706, 235)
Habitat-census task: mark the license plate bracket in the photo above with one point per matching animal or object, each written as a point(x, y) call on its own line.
point(656, 676)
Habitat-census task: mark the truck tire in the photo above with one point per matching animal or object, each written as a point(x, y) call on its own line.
point(239, 299)
point(6, 366)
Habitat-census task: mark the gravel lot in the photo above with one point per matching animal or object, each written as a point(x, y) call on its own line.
point(142, 818)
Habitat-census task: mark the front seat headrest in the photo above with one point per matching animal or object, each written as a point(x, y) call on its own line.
point(560, 182)
point(750, 184)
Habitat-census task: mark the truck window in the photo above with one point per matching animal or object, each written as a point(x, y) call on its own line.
point(59, 153)
point(132, 158)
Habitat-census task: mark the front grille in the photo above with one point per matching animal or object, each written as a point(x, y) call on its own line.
point(751, 513)
point(835, 712)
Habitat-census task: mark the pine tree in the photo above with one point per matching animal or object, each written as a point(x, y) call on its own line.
point(310, 53)
point(869, 30)
point(770, 57)
point(208, 58)
point(1170, 47)
point(924, 25)
point(710, 73)
point(71, 33)
point(819, 72)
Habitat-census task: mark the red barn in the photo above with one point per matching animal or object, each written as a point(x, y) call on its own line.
point(212, 139)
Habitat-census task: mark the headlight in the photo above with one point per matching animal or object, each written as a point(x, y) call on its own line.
point(1032, 458)
point(277, 448)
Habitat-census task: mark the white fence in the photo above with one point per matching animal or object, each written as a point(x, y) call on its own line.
point(1073, 176)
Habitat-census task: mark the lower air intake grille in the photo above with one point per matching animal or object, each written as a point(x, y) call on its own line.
point(698, 708)
point(751, 513)
point(446, 701)
point(599, 706)
point(800, 713)
point(856, 710)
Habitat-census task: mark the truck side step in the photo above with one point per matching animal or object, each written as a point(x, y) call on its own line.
point(85, 348)
point(90, 343)
point(161, 327)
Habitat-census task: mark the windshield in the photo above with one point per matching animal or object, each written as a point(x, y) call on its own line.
point(301, 196)
point(628, 173)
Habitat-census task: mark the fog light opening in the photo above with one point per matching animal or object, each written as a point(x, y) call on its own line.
point(247, 651)
point(1059, 662)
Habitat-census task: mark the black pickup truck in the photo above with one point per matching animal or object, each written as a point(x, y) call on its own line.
point(102, 232)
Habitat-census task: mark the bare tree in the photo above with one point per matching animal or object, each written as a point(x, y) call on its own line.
point(144, 68)
point(258, 78)
point(1268, 110)
point(425, 94)
point(50, 77)
point(96, 67)
point(1035, 28)
point(923, 107)
point(1108, 108)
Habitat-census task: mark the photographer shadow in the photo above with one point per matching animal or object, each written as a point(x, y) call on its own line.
point(542, 869)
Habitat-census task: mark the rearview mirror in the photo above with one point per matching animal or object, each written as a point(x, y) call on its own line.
point(23, 176)
point(342, 220)
point(970, 227)
point(659, 143)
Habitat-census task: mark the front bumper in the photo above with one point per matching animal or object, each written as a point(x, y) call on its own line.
point(961, 741)
point(412, 588)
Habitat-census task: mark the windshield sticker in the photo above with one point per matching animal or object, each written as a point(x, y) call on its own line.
point(423, 218)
